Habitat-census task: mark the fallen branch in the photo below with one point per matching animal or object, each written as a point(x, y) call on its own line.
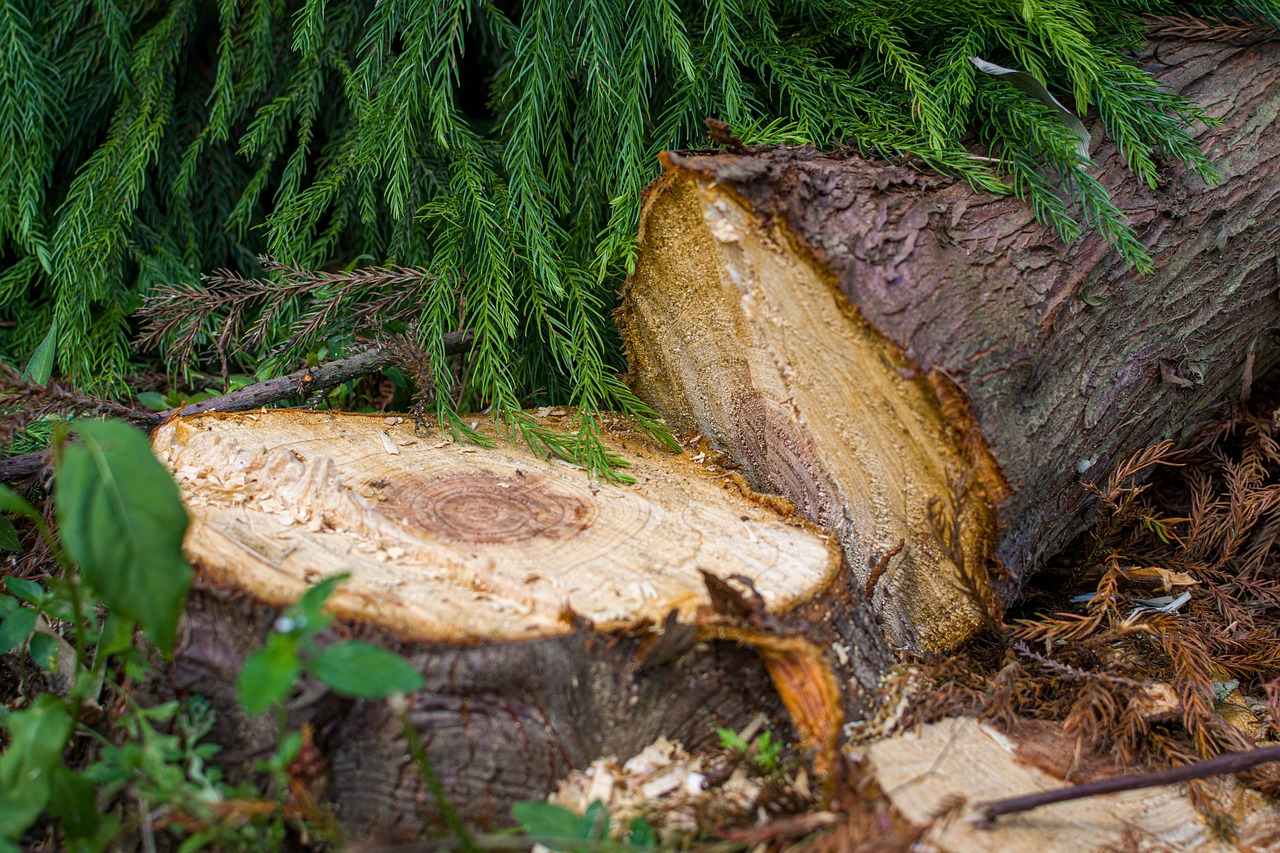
point(1232, 762)
point(306, 381)
point(22, 466)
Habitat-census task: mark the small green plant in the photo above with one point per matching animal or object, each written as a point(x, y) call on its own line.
point(351, 668)
point(764, 752)
point(558, 828)
point(119, 547)
point(120, 527)
point(175, 399)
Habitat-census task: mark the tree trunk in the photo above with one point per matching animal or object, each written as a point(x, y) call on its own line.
point(925, 369)
point(555, 619)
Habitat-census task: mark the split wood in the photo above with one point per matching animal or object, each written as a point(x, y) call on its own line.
point(1231, 762)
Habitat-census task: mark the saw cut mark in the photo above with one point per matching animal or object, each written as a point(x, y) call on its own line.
point(482, 508)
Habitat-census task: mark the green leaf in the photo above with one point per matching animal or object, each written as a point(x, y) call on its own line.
point(595, 823)
point(154, 400)
point(116, 636)
point(40, 367)
point(42, 255)
point(640, 834)
point(729, 739)
point(15, 628)
point(546, 821)
point(270, 673)
point(309, 611)
point(29, 591)
point(9, 536)
point(122, 521)
point(44, 651)
point(37, 736)
point(364, 671)
point(290, 748)
point(74, 804)
point(11, 501)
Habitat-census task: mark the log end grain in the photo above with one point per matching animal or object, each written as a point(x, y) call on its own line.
point(733, 331)
point(446, 542)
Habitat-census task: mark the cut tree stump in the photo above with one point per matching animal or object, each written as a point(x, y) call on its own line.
point(928, 371)
point(556, 619)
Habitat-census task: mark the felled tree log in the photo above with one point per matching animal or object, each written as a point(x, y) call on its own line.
point(556, 619)
point(925, 369)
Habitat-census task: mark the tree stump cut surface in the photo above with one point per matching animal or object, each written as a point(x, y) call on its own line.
point(455, 543)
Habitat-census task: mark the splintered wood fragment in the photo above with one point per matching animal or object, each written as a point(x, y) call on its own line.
point(947, 775)
point(556, 619)
point(909, 360)
point(1232, 762)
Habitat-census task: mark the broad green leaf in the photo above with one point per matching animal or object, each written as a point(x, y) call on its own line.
point(364, 671)
point(270, 673)
point(74, 804)
point(154, 400)
point(546, 821)
point(44, 651)
point(122, 521)
point(15, 628)
point(116, 636)
point(310, 607)
point(29, 591)
point(40, 367)
point(11, 501)
point(9, 536)
point(37, 736)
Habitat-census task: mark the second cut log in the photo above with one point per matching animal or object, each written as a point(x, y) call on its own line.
point(925, 369)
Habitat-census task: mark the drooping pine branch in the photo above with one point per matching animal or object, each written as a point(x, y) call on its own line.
point(501, 148)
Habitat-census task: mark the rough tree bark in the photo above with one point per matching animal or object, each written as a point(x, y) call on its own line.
point(926, 370)
point(556, 619)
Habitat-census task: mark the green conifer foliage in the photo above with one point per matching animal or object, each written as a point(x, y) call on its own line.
point(502, 146)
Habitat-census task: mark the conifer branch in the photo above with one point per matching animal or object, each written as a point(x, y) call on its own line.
point(502, 154)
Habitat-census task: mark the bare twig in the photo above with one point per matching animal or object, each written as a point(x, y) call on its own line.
point(1231, 762)
point(306, 381)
